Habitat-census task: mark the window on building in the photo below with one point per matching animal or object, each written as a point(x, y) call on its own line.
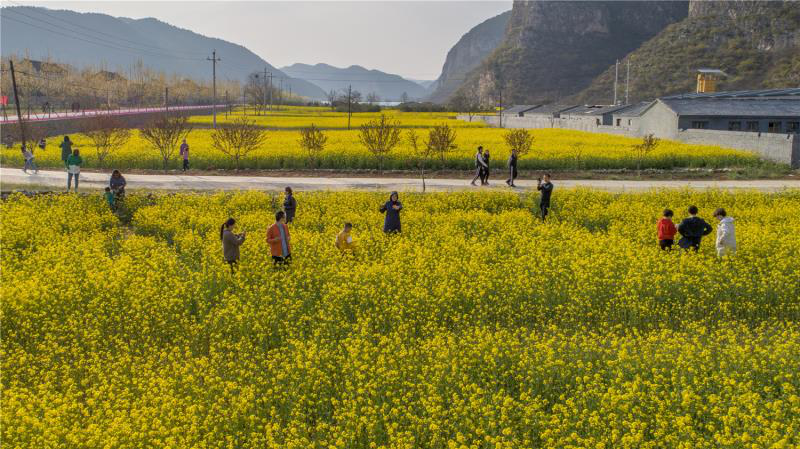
point(734, 126)
point(793, 127)
point(700, 124)
point(597, 121)
point(619, 122)
point(752, 126)
point(774, 127)
point(629, 122)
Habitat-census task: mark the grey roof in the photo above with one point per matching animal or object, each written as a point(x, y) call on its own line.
point(712, 71)
point(549, 109)
point(593, 109)
point(732, 107)
point(516, 109)
point(789, 92)
point(634, 110)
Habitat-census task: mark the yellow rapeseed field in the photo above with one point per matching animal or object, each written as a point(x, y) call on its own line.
point(552, 149)
point(478, 327)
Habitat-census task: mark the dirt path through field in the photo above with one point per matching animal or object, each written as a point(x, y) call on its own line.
point(58, 179)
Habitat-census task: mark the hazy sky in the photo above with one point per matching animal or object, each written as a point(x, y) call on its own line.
point(407, 38)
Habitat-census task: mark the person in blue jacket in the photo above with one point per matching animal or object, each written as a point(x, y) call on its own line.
point(392, 208)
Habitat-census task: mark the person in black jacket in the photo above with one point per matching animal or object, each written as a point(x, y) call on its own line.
point(546, 188)
point(392, 208)
point(693, 229)
point(289, 205)
point(512, 168)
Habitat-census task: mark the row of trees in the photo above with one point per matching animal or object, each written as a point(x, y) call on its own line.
point(46, 86)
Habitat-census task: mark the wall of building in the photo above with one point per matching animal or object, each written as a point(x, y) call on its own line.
point(781, 148)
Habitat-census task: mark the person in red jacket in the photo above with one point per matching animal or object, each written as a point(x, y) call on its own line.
point(278, 239)
point(666, 230)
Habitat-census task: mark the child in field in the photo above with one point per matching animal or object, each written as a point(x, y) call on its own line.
point(109, 196)
point(666, 230)
point(726, 236)
point(344, 241)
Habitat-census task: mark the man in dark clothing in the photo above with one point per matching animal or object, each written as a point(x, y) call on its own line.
point(693, 229)
point(289, 205)
point(546, 188)
point(512, 168)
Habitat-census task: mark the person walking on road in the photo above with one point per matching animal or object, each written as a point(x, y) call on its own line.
point(392, 208)
point(666, 230)
point(66, 150)
point(231, 242)
point(693, 229)
point(479, 165)
point(184, 152)
point(512, 168)
point(546, 188)
point(485, 177)
point(30, 163)
point(74, 163)
point(289, 204)
point(726, 235)
point(278, 239)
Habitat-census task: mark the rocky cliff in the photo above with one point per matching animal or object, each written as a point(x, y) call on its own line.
point(757, 43)
point(553, 49)
point(468, 53)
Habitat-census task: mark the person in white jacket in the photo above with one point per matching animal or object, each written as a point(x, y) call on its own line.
point(726, 235)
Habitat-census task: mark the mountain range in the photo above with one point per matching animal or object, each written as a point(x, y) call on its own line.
point(116, 44)
point(387, 86)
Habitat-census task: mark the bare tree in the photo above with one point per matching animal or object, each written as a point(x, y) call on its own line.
point(577, 154)
point(332, 96)
point(373, 98)
point(423, 153)
point(520, 140)
point(313, 140)
point(164, 133)
point(238, 138)
point(465, 103)
point(380, 136)
point(649, 143)
point(106, 133)
point(404, 97)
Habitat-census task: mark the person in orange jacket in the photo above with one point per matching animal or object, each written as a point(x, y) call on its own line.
point(278, 239)
point(666, 230)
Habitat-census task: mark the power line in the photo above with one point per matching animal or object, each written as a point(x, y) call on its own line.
point(42, 11)
point(112, 46)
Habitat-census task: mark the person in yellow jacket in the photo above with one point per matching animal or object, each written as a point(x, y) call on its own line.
point(344, 241)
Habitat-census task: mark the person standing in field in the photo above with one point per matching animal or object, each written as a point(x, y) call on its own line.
point(231, 243)
point(42, 144)
point(74, 163)
point(546, 188)
point(344, 241)
point(512, 168)
point(184, 152)
point(30, 164)
point(109, 197)
point(392, 208)
point(278, 239)
point(666, 230)
point(726, 235)
point(693, 229)
point(479, 165)
point(117, 183)
point(485, 177)
point(289, 204)
point(66, 150)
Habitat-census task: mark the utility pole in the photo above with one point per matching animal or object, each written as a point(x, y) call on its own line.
point(349, 102)
point(227, 104)
point(616, 77)
point(280, 94)
point(290, 92)
point(627, 81)
point(264, 96)
point(166, 98)
point(16, 101)
point(270, 91)
point(501, 107)
point(214, 62)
